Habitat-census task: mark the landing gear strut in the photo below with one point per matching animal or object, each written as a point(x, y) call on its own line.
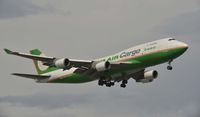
point(169, 67)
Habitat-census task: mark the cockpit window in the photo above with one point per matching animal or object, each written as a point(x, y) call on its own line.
point(171, 39)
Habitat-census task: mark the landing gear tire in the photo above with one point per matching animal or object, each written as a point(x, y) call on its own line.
point(112, 83)
point(108, 84)
point(101, 83)
point(123, 85)
point(124, 82)
point(169, 67)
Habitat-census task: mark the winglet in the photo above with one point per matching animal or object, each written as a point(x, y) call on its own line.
point(8, 51)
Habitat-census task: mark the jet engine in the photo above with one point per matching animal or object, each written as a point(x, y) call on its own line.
point(149, 76)
point(102, 66)
point(62, 63)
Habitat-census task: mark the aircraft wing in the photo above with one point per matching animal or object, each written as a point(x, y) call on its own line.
point(92, 72)
point(82, 65)
point(49, 60)
point(116, 65)
point(29, 56)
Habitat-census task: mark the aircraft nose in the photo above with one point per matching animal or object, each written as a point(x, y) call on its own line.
point(185, 46)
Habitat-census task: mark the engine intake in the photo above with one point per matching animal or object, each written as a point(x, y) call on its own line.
point(62, 63)
point(149, 76)
point(102, 66)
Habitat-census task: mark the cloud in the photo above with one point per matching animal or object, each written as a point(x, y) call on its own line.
point(16, 110)
point(113, 103)
point(45, 101)
point(186, 24)
point(2, 113)
point(17, 8)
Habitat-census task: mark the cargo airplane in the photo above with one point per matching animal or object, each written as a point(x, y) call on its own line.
point(120, 67)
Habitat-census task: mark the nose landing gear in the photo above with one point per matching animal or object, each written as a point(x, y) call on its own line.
point(169, 67)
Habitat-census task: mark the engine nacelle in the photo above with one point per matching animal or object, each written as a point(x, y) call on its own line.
point(62, 63)
point(102, 66)
point(149, 76)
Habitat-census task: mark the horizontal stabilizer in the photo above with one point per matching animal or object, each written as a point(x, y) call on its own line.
point(31, 76)
point(8, 51)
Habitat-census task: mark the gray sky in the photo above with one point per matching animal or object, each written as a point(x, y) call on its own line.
point(90, 29)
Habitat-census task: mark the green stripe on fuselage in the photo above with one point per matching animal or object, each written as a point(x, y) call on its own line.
point(140, 62)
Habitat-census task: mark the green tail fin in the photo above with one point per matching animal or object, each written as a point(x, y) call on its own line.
point(8, 51)
point(40, 68)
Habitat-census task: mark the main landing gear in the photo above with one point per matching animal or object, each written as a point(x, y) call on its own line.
point(107, 83)
point(111, 83)
point(124, 82)
point(169, 67)
point(101, 82)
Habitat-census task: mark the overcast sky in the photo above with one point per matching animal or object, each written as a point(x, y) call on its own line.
point(88, 29)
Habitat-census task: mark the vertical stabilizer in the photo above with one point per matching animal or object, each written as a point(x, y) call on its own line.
point(40, 68)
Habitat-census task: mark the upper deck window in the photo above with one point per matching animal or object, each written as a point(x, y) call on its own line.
point(171, 39)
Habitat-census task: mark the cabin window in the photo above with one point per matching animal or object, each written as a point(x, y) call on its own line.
point(171, 39)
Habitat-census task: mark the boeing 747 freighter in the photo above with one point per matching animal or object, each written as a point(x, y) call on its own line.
point(120, 67)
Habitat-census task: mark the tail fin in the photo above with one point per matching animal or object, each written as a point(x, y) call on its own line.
point(40, 68)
